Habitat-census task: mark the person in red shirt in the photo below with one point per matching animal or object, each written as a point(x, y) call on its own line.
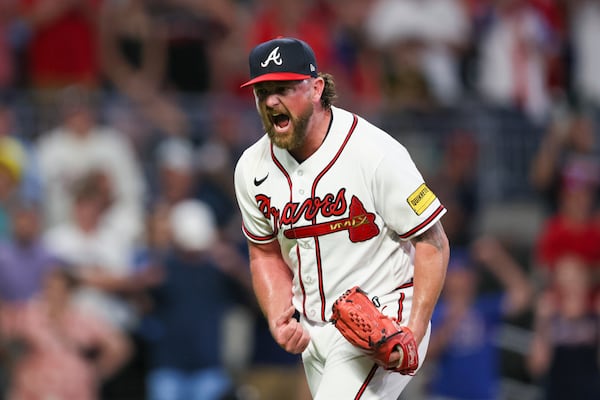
point(62, 51)
point(572, 230)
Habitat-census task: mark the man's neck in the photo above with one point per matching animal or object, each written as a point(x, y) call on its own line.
point(317, 131)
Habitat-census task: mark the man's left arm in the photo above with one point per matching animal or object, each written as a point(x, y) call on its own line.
point(432, 252)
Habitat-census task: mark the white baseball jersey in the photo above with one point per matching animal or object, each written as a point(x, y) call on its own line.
point(342, 217)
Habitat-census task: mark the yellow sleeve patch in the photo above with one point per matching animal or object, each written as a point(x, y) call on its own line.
point(420, 199)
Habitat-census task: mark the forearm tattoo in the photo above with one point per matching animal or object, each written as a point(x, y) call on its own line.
point(434, 236)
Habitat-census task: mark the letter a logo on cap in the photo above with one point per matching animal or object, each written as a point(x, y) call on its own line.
point(273, 56)
point(281, 59)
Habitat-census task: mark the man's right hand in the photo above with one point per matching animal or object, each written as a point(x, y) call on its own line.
point(289, 333)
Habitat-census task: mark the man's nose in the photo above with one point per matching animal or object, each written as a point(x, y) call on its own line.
point(272, 100)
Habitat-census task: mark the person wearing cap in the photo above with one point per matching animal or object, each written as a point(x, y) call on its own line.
point(191, 304)
point(329, 201)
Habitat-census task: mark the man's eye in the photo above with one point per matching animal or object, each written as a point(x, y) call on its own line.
point(279, 90)
point(261, 93)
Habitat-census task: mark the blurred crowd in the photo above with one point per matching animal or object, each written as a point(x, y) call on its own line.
point(123, 269)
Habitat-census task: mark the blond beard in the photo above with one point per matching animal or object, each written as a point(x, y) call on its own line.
point(296, 136)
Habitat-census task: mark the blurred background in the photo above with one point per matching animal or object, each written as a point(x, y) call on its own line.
point(123, 269)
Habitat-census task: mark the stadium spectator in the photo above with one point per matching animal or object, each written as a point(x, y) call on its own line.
point(56, 350)
point(226, 138)
point(355, 60)
point(24, 264)
point(466, 322)
point(187, 353)
point(514, 51)
point(61, 50)
point(455, 182)
point(172, 179)
point(133, 47)
point(174, 173)
point(422, 43)
point(111, 285)
point(571, 230)
point(194, 30)
point(569, 147)
point(80, 145)
point(566, 340)
point(133, 56)
point(183, 170)
point(97, 254)
point(24, 259)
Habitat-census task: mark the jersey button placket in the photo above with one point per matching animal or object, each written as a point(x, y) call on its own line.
point(298, 184)
point(306, 244)
point(300, 173)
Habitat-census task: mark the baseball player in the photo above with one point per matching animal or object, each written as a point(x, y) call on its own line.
point(330, 202)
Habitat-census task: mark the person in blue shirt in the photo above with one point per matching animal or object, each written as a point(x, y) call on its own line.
point(25, 260)
point(186, 340)
point(465, 322)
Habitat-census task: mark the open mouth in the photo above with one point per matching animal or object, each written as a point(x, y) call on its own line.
point(281, 121)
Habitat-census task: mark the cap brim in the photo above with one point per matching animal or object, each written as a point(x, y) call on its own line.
point(277, 76)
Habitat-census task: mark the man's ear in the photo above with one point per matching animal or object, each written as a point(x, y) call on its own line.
point(318, 85)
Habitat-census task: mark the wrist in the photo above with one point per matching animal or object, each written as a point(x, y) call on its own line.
point(417, 332)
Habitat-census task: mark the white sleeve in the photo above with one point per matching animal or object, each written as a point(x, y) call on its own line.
point(255, 226)
point(125, 167)
point(402, 198)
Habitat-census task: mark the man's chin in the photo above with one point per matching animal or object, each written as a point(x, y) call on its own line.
point(281, 140)
point(283, 144)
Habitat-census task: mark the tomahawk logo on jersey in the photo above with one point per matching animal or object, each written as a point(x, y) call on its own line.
point(359, 222)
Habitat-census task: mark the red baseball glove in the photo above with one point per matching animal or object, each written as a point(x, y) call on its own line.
point(363, 325)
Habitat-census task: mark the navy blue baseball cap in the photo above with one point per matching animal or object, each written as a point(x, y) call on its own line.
point(281, 59)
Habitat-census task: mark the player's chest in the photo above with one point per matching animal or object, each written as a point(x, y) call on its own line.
point(302, 196)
